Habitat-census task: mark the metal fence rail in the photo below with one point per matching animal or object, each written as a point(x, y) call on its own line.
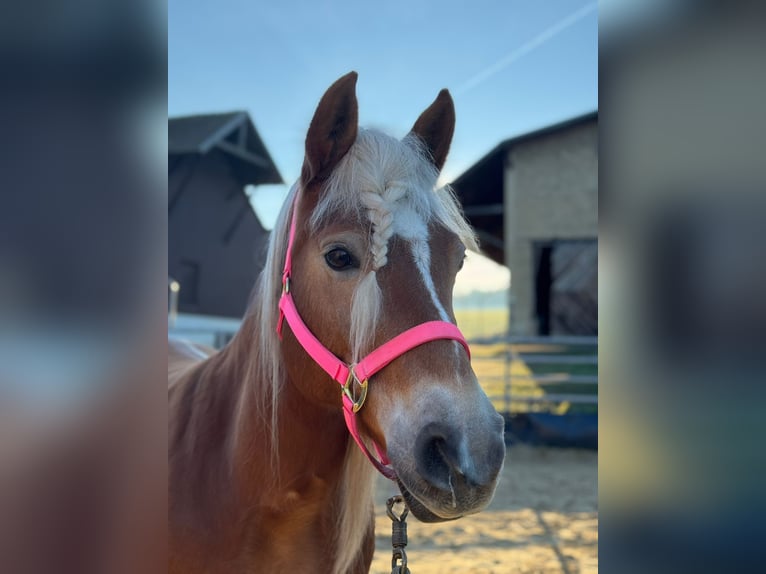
point(530, 359)
point(522, 391)
point(212, 331)
point(560, 398)
point(562, 378)
point(553, 340)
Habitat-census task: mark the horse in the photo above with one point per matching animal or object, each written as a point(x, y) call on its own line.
point(270, 466)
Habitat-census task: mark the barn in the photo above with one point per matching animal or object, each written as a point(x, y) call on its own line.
point(216, 244)
point(533, 201)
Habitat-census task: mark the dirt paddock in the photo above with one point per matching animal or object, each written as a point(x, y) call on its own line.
point(543, 520)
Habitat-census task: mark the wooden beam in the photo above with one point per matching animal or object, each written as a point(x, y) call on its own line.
point(488, 209)
point(242, 154)
point(485, 237)
point(222, 132)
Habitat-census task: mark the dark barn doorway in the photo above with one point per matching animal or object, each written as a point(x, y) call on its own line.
point(566, 287)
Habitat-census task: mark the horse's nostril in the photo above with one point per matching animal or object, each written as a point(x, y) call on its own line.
point(433, 461)
point(444, 460)
point(436, 455)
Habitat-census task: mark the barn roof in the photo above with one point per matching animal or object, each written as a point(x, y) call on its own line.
point(231, 133)
point(480, 188)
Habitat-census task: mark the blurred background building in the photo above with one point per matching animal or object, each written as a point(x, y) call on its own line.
point(216, 243)
point(533, 201)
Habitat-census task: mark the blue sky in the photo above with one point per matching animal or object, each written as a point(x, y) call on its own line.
point(512, 66)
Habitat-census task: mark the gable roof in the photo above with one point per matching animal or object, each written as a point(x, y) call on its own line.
point(480, 188)
point(231, 133)
point(502, 148)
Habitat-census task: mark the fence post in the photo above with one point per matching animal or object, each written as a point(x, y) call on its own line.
point(174, 288)
point(507, 379)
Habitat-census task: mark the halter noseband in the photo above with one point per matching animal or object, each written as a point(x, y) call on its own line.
point(354, 379)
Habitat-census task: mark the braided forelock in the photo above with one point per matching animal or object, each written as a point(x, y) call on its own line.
point(380, 211)
point(367, 300)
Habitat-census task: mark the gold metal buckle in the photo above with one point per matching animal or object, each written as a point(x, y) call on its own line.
point(286, 286)
point(351, 394)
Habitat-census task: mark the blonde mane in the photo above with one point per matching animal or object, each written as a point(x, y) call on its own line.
point(378, 175)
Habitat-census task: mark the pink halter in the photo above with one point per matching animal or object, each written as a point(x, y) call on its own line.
point(354, 379)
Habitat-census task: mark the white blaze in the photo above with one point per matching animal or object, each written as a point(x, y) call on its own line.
point(410, 226)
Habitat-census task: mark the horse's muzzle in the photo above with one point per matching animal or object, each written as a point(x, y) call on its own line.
point(452, 476)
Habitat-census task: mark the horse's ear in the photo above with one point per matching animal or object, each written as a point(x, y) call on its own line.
point(435, 127)
point(332, 131)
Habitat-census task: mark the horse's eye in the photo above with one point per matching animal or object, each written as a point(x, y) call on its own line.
point(462, 262)
point(339, 259)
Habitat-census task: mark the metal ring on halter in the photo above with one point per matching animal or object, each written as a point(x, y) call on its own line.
point(352, 378)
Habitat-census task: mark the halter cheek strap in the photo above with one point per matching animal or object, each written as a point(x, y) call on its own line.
point(354, 379)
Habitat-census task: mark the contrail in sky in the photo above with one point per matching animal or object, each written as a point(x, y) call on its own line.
point(525, 49)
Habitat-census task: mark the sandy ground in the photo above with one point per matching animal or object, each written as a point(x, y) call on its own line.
point(543, 520)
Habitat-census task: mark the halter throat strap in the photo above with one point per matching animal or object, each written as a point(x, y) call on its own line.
point(354, 379)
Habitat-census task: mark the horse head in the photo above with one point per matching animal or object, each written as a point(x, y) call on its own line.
point(376, 249)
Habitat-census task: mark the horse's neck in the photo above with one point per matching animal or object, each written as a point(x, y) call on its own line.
point(230, 482)
point(310, 439)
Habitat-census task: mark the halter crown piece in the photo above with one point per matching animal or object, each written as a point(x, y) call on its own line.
point(354, 379)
